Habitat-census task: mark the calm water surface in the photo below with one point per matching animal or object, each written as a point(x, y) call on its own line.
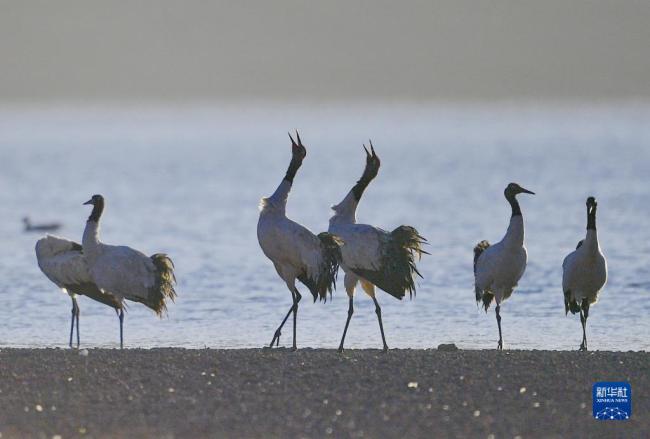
point(187, 182)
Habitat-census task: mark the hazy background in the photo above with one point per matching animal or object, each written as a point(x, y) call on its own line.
point(144, 51)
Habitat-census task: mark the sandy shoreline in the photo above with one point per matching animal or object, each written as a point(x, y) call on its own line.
point(314, 393)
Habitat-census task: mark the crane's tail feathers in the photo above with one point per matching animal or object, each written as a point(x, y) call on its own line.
point(398, 263)
point(478, 250)
point(327, 271)
point(164, 287)
point(570, 304)
point(484, 297)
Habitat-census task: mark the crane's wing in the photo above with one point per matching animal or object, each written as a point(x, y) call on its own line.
point(124, 272)
point(62, 261)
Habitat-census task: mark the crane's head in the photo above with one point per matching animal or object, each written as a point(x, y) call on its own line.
point(95, 200)
point(514, 189)
point(372, 160)
point(591, 205)
point(298, 150)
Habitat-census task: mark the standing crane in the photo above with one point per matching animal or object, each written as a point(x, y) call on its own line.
point(124, 272)
point(584, 273)
point(296, 252)
point(498, 267)
point(372, 256)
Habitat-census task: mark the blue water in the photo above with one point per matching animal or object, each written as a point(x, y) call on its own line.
point(188, 181)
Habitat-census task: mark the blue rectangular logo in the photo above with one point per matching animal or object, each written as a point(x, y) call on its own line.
point(612, 401)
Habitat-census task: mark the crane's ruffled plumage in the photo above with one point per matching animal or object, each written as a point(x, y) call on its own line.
point(386, 259)
point(328, 266)
point(130, 274)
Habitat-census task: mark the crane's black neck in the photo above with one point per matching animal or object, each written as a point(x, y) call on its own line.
point(98, 209)
point(294, 165)
point(591, 218)
point(516, 210)
point(368, 175)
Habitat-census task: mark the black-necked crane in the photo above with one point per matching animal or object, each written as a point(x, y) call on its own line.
point(372, 256)
point(584, 273)
point(124, 272)
point(61, 260)
point(498, 267)
point(296, 252)
point(46, 227)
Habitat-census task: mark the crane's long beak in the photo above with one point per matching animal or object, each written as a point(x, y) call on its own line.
point(526, 191)
point(88, 202)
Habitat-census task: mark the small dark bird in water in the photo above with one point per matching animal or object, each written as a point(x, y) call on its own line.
point(29, 227)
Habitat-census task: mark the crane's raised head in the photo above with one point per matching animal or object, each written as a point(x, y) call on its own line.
point(95, 200)
point(372, 160)
point(298, 150)
point(591, 205)
point(514, 189)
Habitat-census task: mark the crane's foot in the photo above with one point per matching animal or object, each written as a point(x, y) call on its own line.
point(340, 349)
point(583, 347)
point(385, 350)
point(276, 338)
point(500, 345)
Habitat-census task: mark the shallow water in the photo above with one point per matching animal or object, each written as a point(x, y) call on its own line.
point(188, 181)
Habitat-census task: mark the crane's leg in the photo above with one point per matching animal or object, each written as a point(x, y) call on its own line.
point(369, 289)
point(296, 301)
point(381, 325)
point(77, 319)
point(347, 322)
point(500, 343)
point(584, 313)
point(350, 281)
point(278, 332)
point(72, 320)
point(121, 316)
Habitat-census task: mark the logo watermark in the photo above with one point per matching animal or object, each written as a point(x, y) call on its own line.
point(612, 400)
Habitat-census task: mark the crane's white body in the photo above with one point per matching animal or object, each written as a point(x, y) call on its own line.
point(62, 261)
point(293, 249)
point(585, 270)
point(500, 266)
point(363, 243)
point(118, 270)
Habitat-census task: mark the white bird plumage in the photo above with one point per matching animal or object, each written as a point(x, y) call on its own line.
point(498, 267)
point(124, 272)
point(295, 251)
point(584, 273)
point(62, 261)
point(373, 256)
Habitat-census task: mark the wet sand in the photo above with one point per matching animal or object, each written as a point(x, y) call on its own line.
point(314, 393)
